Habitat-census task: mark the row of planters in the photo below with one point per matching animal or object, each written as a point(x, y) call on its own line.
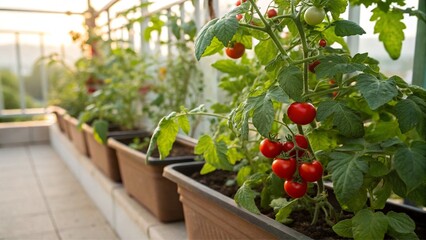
point(111, 99)
point(314, 141)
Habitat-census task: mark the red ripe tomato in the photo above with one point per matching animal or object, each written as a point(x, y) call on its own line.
point(301, 113)
point(91, 89)
point(295, 189)
point(236, 51)
point(284, 168)
point(287, 146)
point(238, 3)
point(270, 149)
point(272, 13)
point(322, 43)
point(311, 172)
point(239, 17)
point(313, 65)
point(301, 141)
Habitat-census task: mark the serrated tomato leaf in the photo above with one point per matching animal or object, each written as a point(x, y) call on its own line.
point(100, 130)
point(400, 222)
point(245, 198)
point(290, 81)
point(390, 28)
point(347, 175)
point(369, 225)
point(345, 28)
point(409, 115)
point(330, 66)
point(214, 153)
point(344, 228)
point(346, 121)
point(410, 164)
point(376, 92)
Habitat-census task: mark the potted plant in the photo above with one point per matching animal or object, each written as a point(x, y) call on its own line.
point(179, 83)
point(316, 113)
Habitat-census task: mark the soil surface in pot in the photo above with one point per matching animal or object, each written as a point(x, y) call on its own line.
point(221, 181)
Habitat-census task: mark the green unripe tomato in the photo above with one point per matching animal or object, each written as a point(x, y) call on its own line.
point(314, 15)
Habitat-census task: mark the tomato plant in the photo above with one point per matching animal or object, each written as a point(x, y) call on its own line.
point(236, 51)
point(269, 148)
point(365, 136)
point(295, 189)
point(311, 172)
point(284, 168)
point(301, 113)
point(314, 15)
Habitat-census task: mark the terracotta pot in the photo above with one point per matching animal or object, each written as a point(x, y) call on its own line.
point(212, 215)
point(67, 126)
point(103, 156)
point(143, 179)
point(77, 135)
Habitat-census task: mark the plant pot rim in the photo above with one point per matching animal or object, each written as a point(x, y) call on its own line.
point(270, 225)
point(114, 142)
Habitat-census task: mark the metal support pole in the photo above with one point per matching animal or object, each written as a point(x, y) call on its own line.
point(419, 67)
point(109, 24)
point(354, 16)
point(144, 24)
point(1, 98)
point(169, 34)
point(43, 72)
point(19, 72)
point(198, 5)
point(182, 19)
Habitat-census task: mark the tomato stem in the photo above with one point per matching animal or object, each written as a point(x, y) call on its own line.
point(270, 32)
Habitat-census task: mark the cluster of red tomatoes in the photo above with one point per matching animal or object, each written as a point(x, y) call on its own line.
point(289, 156)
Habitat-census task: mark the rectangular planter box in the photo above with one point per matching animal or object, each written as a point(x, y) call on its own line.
point(143, 179)
point(211, 215)
point(78, 137)
point(103, 156)
point(59, 113)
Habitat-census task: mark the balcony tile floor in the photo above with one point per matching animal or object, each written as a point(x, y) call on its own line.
point(41, 199)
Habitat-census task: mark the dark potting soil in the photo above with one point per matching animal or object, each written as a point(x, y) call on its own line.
point(218, 180)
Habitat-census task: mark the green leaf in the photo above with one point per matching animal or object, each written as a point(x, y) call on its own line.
point(344, 228)
point(290, 80)
point(167, 136)
point(214, 47)
point(277, 94)
point(381, 194)
point(347, 174)
point(100, 130)
point(207, 168)
point(204, 38)
point(183, 123)
point(331, 66)
point(226, 27)
point(410, 164)
point(382, 131)
point(390, 27)
point(398, 186)
point(356, 202)
point(377, 169)
point(265, 51)
point(263, 117)
point(345, 28)
point(376, 92)
point(230, 67)
point(283, 209)
point(243, 174)
point(409, 115)
point(245, 198)
point(336, 7)
point(213, 152)
point(347, 122)
point(369, 225)
point(400, 222)
point(323, 139)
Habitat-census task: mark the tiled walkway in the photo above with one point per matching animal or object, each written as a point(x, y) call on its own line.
point(41, 199)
